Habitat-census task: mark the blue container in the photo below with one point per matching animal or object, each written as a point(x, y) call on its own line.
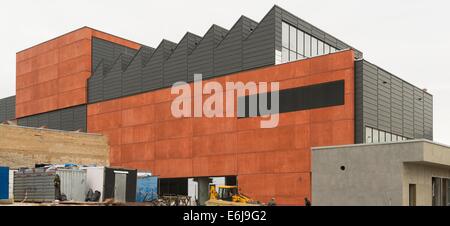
point(146, 189)
point(4, 182)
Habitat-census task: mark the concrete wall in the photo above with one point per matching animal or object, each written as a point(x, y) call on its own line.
point(421, 175)
point(23, 147)
point(377, 174)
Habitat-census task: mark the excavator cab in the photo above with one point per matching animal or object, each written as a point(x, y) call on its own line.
point(228, 193)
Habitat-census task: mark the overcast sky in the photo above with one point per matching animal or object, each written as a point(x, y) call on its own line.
point(408, 38)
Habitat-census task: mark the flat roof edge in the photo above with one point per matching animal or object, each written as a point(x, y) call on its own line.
point(380, 144)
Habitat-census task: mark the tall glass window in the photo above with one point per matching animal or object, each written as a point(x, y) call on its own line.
point(300, 42)
point(284, 55)
point(368, 135)
point(388, 137)
point(375, 136)
point(292, 39)
point(285, 34)
point(326, 48)
point(296, 44)
point(292, 56)
point(313, 47)
point(382, 136)
point(307, 45)
point(379, 136)
point(320, 48)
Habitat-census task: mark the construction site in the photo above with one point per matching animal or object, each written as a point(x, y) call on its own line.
point(92, 123)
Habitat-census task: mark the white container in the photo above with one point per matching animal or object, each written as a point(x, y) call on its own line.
point(11, 184)
point(73, 184)
point(95, 179)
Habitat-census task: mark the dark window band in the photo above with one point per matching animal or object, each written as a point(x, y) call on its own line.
point(302, 98)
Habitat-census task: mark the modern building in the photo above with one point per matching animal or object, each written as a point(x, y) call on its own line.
point(329, 95)
point(415, 172)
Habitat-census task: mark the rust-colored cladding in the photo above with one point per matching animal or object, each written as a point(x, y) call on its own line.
point(53, 75)
point(268, 162)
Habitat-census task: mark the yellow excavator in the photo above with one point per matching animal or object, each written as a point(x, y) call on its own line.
point(228, 196)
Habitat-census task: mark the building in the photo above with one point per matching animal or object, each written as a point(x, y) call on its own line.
point(415, 172)
point(100, 83)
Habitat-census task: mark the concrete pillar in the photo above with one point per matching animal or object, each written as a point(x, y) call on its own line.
point(203, 189)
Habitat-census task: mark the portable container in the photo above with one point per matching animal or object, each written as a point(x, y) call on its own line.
point(34, 185)
point(147, 187)
point(95, 179)
point(113, 183)
point(4, 183)
point(11, 184)
point(120, 184)
point(73, 184)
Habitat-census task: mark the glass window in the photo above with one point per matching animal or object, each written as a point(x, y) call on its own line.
point(368, 135)
point(382, 137)
point(284, 55)
point(313, 46)
point(292, 38)
point(320, 47)
point(292, 56)
point(388, 137)
point(307, 45)
point(326, 48)
point(300, 42)
point(285, 34)
point(332, 49)
point(375, 136)
point(299, 57)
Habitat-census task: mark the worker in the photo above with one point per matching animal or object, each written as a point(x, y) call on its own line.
point(57, 184)
point(272, 202)
point(307, 202)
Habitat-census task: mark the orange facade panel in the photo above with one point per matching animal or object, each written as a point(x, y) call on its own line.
point(145, 135)
point(53, 75)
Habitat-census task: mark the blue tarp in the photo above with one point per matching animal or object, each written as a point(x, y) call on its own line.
point(4, 182)
point(146, 189)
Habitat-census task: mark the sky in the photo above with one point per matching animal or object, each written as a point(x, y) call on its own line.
point(410, 39)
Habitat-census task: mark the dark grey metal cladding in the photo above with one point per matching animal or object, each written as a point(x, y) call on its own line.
point(201, 60)
point(259, 47)
point(428, 116)
point(132, 76)
point(396, 105)
point(176, 66)
point(418, 113)
point(386, 102)
point(112, 81)
point(102, 51)
point(228, 53)
point(408, 110)
point(370, 94)
point(247, 45)
point(283, 15)
point(359, 125)
point(7, 108)
point(69, 119)
point(95, 84)
point(153, 71)
point(108, 52)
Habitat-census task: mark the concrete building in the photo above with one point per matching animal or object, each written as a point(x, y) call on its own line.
point(329, 95)
point(415, 172)
point(25, 147)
